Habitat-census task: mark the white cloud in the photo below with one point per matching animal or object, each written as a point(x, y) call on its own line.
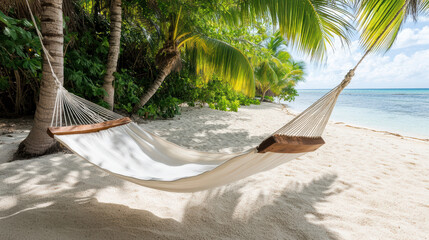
point(412, 37)
point(423, 19)
point(376, 71)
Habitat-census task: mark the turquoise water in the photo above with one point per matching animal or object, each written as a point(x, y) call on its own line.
point(403, 111)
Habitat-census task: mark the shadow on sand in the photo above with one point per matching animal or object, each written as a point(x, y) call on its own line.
point(206, 130)
point(55, 197)
point(71, 210)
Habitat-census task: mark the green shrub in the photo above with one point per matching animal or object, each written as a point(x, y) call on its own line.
point(269, 98)
point(166, 108)
point(84, 65)
point(20, 66)
point(126, 90)
point(288, 94)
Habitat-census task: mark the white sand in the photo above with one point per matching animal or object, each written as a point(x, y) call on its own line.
point(361, 185)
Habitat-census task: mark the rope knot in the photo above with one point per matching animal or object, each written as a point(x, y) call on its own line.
point(348, 78)
point(350, 74)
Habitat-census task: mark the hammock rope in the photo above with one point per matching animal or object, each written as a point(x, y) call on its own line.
point(71, 110)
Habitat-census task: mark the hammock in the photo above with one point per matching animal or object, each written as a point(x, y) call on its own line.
point(122, 148)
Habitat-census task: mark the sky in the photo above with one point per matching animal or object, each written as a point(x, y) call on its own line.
point(405, 65)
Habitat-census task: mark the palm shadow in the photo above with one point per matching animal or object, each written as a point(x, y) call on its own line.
point(71, 209)
point(205, 133)
point(79, 215)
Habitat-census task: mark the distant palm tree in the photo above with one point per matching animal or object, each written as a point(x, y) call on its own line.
point(294, 75)
point(277, 70)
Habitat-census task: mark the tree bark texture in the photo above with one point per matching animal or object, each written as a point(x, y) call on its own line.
point(38, 141)
point(114, 49)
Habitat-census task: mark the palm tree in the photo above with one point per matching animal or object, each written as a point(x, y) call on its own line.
point(277, 70)
point(38, 142)
point(208, 55)
point(114, 48)
point(309, 25)
point(294, 74)
point(266, 77)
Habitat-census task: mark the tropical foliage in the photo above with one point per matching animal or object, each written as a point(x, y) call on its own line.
point(20, 66)
point(216, 63)
point(277, 70)
point(309, 26)
point(223, 41)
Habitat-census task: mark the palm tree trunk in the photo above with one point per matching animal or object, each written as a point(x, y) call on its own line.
point(263, 95)
point(38, 141)
point(112, 59)
point(168, 67)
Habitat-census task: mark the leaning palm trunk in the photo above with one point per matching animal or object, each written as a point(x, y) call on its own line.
point(263, 95)
point(38, 141)
point(112, 59)
point(168, 60)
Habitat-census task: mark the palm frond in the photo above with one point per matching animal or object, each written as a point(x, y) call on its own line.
point(283, 56)
point(308, 25)
point(266, 76)
point(374, 16)
point(211, 56)
point(424, 7)
point(294, 76)
point(176, 24)
point(291, 78)
point(276, 42)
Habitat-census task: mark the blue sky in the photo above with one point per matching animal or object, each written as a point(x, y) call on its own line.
point(405, 65)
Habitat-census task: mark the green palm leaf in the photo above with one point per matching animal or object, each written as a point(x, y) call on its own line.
point(211, 56)
point(266, 76)
point(380, 21)
point(308, 25)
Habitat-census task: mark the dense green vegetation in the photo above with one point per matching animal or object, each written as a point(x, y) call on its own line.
point(20, 66)
point(145, 30)
point(201, 32)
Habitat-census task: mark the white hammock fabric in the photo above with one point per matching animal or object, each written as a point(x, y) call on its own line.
point(133, 154)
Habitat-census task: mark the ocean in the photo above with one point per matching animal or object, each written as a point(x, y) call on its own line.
point(402, 111)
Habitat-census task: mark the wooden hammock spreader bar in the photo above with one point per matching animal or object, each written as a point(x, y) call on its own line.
point(77, 129)
point(284, 144)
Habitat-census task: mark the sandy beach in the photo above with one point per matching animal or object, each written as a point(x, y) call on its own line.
point(362, 184)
